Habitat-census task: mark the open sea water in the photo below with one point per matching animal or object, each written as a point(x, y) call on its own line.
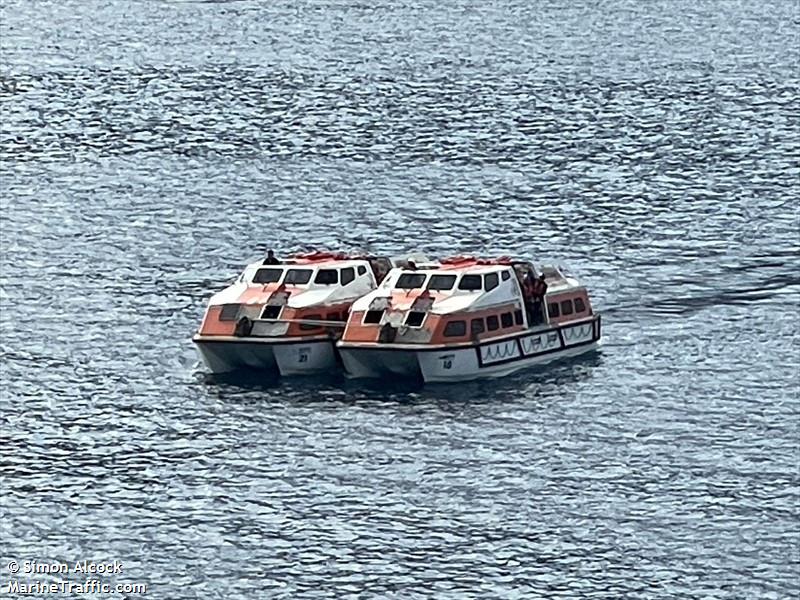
point(148, 150)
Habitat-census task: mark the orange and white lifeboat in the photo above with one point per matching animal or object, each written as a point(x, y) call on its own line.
point(465, 319)
point(285, 317)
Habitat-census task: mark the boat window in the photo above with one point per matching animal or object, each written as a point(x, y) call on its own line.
point(476, 326)
point(492, 323)
point(579, 305)
point(507, 319)
point(229, 312)
point(566, 307)
point(297, 276)
point(410, 281)
point(348, 275)
point(310, 318)
point(327, 277)
point(267, 275)
point(470, 282)
point(415, 318)
point(455, 329)
point(271, 312)
point(490, 281)
point(518, 317)
point(373, 316)
point(552, 309)
point(362, 269)
point(441, 282)
point(506, 275)
point(334, 316)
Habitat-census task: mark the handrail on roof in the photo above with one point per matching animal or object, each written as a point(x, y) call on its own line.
point(465, 261)
point(320, 256)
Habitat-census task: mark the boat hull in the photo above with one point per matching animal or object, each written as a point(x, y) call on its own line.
point(284, 357)
point(484, 360)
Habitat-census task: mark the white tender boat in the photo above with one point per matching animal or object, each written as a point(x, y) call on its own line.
point(466, 319)
point(286, 317)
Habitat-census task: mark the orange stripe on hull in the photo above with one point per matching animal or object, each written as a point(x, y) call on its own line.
point(336, 313)
point(359, 332)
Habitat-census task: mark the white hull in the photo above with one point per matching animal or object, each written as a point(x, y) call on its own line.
point(301, 357)
point(464, 363)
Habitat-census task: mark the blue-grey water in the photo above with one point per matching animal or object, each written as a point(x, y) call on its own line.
point(150, 149)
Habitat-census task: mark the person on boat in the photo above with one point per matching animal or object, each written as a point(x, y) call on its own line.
point(528, 291)
point(271, 259)
point(538, 289)
point(411, 265)
point(529, 284)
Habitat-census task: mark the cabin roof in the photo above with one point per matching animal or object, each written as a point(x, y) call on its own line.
point(311, 264)
point(461, 263)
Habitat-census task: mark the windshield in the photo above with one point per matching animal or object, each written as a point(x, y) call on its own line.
point(470, 282)
point(267, 275)
point(327, 277)
point(298, 276)
point(410, 281)
point(442, 282)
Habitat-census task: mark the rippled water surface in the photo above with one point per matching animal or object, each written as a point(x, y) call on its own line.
point(149, 149)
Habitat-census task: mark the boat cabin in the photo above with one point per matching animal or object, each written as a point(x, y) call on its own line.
point(459, 300)
point(298, 297)
point(566, 300)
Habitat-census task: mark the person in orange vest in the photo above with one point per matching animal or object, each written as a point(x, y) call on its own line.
point(529, 284)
